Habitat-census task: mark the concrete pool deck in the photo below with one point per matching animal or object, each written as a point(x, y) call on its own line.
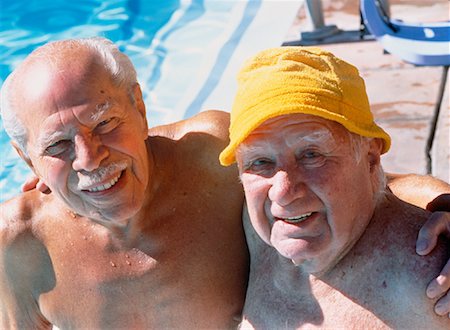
point(402, 96)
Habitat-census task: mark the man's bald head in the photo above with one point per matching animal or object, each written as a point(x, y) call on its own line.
point(77, 59)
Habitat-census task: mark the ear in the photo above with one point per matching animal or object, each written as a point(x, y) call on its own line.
point(374, 153)
point(39, 184)
point(140, 106)
point(22, 155)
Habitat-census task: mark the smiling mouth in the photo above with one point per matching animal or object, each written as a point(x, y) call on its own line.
point(297, 219)
point(107, 185)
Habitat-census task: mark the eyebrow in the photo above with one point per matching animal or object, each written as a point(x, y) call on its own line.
point(318, 135)
point(47, 139)
point(100, 110)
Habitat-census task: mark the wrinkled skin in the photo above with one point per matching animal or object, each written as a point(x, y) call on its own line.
point(290, 167)
point(437, 224)
point(137, 232)
point(292, 174)
point(83, 138)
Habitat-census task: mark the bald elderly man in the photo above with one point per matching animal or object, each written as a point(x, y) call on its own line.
point(330, 245)
point(142, 228)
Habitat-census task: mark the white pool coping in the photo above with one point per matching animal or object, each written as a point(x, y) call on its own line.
point(217, 43)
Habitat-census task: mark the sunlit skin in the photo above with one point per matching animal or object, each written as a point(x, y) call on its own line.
point(329, 245)
point(142, 228)
point(134, 234)
point(84, 138)
point(292, 169)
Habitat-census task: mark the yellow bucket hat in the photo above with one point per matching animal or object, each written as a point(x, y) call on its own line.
point(308, 80)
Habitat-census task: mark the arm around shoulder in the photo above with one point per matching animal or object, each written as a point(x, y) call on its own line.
point(416, 189)
point(214, 122)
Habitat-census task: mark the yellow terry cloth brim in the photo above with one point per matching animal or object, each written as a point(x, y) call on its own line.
point(290, 80)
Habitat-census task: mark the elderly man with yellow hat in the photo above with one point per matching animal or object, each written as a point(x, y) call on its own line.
point(330, 245)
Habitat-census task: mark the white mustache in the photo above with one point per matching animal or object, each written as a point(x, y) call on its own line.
point(100, 175)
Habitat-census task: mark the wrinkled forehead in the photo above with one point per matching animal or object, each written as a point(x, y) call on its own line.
point(293, 128)
point(43, 83)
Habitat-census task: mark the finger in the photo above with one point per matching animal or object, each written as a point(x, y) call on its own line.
point(438, 223)
point(30, 184)
point(440, 284)
point(440, 203)
point(442, 307)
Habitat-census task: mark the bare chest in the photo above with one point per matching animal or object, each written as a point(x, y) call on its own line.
point(94, 283)
point(363, 291)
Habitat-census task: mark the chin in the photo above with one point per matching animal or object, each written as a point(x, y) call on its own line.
point(118, 215)
point(308, 255)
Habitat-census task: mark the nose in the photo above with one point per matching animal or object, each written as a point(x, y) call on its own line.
point(287, 185)
point(89, 153)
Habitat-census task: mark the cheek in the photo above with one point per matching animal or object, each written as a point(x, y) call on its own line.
point(255, 193)
point(256, 198)
point(348, 200)
point(53, 173)
point(335, 185)
point(125, 141)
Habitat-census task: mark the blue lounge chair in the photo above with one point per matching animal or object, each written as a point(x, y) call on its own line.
point(419, 44)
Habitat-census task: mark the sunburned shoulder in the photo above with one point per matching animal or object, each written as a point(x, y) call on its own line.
point(198, 140)
point(417, 189)
point(211, 122)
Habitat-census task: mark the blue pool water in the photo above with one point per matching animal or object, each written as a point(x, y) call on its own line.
point(147, 31)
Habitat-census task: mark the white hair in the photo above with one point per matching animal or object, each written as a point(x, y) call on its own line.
point(11, 122)
point(116, 63)
point(379, 178)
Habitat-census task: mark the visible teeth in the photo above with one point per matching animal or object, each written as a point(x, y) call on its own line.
point(106, 185)
point(298, 218)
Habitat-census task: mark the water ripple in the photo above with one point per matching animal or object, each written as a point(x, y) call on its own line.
point(26, 25)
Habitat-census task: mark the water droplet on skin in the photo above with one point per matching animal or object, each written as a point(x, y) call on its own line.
point(128, 263)
point(112, 264)
point(72, 214)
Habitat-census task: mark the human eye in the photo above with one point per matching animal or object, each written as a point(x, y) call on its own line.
point(106, 125)
point(258, 165)
point(312, 158)
point(57, 148)
point(104, 122)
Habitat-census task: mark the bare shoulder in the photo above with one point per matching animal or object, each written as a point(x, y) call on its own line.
point(398, 224)
point(21, 225)
point(416, 189)
point(200, 140)
point(213, 122)
point(390, 270)
point(24, 262)
point(17, 216)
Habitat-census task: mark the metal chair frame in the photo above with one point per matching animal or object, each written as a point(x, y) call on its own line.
point(425, 44)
